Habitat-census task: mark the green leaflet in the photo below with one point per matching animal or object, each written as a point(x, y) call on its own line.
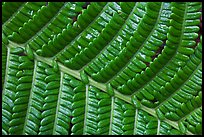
point(18, 15)
point(12, 8)
point(144, 53)
point(112, 51)
point(15, 94)
point(72, 31)
point(101, 68)
point(77, 54)
point(63, 19)
point(45, 13)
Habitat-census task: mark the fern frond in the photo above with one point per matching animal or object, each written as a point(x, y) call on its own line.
point(55, 27)
point(71, 33)
point(78, 106)
point(102, 68)
point(193, 121)
point(32, 26)
point(83, 51)
point(23, 14)
point(114, 46)
point(147, 51)
point(8, 9)
point(16, 90)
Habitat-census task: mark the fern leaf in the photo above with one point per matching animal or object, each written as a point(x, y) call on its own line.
point(102, 68)
point(147, 51)
point(25, 12)
point(6, 14)
point(73, 30)
point(112, 50)
point(16, 90)
point(79, 53)
point(21, 37)
point(55, 27)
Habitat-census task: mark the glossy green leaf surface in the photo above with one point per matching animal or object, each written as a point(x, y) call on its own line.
point(102, 68)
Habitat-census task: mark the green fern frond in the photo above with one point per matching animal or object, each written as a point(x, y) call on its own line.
point(101, 68)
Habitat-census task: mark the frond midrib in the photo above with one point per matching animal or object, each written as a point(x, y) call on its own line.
point(111, 115)
point(6, 71)
point(76, 74)
point(86, 109)
point(135, 123)
point(30, 97)
point(58, 102)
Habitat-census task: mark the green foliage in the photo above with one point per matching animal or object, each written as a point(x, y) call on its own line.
point(101, 68)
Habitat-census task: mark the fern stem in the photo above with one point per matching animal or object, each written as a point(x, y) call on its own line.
point(58, 103)
point(86, 108)
point(5, 83)
point(111, 117)
point(158, 127)
point(135, 124)
point(6, 72)
point(31, 95)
